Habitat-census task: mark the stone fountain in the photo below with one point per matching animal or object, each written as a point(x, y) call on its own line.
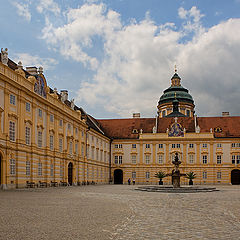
point(176, 172)
point(176, 188)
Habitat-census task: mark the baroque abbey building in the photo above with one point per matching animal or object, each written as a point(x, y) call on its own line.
point(46, 140)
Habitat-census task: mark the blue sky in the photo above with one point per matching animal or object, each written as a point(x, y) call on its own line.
point(116, 57)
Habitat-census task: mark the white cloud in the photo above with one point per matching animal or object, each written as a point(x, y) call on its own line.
point(138, 59)
point(83, 24)
point(29, 60)
point(23, 10)
point(48, 5)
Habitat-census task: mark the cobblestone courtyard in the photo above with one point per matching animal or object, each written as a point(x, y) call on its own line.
point(118, 212)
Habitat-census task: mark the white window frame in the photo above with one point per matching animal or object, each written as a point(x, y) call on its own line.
point(147, 159)
point(12, 166)
point(160, 158)
point(12, 99)
point(28, 107)
point(51, 142)
point(28, 168)
point(40, 139)
point(12, 131)
point(134, 158)
point(27, 135)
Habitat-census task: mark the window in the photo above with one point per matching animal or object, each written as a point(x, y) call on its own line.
point(69, 126)
point(176, 145)
point(12, 99)
point(188, 113)
point(97, 153)
point(219, 159)
point(40, 112)
point(219, 145)
point(160, 159)
point(92, 153)
point(76, 130)
point(219, 175)
point(164, 113)
point(27, 135)
point(82, 133)
point(147, 159)
point(134, 159)
point(191, 158)
point(204, 175)
point(160, 145)
point(61, 170)
point(147, 175)
point(51, 118)
point(82, 150)
point(28, 168)
point(60, 144)
point(76, 147)
point(39, 139)
point(238, 159)
point(147, 145)
point(39, 169)
point(51, 170)
point(51, 142)
point(204, 145)
point(70, 147)
point(233, 159)
point(235, 145)
point(204, 157)
point(191, 145)
point(134, 145)
point(118, 145)
point(118, 159)
point(60, 122)
point(12, 167)
point(133, 175)
point(12, 131)
point(28, 107)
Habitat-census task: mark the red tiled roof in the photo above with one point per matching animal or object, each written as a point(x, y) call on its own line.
point(123, 128)
point(230, 125)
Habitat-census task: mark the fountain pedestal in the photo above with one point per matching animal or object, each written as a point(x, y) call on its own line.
point(176, 179)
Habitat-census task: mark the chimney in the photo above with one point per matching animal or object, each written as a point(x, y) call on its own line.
point(136, 115)
point(32, 70)
point(225, 114)
point(64, 95)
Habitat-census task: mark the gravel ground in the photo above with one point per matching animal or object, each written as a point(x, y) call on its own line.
point(118, 212)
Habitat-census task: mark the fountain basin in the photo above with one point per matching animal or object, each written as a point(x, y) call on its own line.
point(171, 189)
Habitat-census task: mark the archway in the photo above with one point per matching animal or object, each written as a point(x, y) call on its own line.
point(70, 173)
point(118, 176)
point(235, 177)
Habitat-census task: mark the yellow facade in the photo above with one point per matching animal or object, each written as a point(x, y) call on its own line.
point(40, 136)
point(218, 171)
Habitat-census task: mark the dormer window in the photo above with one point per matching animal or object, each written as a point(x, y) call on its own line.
point(134, 130)
point(217, 130)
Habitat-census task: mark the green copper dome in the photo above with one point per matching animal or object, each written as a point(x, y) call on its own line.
point(176, 91)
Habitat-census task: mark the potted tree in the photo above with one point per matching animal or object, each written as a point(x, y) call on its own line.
point(160, 175)
point(190, 176)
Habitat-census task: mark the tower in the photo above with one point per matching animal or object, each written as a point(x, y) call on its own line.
point(173, 93)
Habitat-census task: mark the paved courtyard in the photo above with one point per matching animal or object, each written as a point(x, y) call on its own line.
point(118, 212)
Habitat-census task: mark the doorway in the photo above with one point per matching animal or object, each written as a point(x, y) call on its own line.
point(70, 174)
point(235, 177)
point(118, 176)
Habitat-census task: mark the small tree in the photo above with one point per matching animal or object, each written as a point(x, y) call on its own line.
point(190, 176)
point(160, 175)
